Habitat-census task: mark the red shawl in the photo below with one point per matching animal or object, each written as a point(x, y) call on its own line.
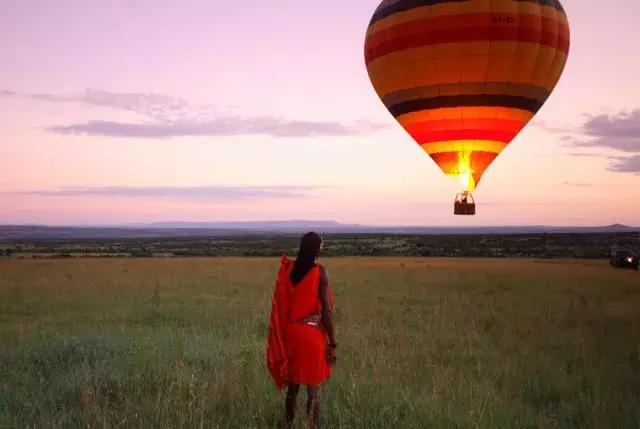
point(276, 343)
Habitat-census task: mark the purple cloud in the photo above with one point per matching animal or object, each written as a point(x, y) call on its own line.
point(155, 106)
point(621, 125)
point(168, 117)
point(229, 126)
point(213, 193)
point(623, 144)
point(626, 164)
point(620, 132)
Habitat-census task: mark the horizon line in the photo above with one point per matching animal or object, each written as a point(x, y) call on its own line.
point(155, 224)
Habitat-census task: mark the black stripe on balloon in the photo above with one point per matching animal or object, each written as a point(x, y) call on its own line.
point(405, 5)
point(478, 100)
point(553, 3)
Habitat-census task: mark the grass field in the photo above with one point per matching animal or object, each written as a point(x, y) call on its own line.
point(423, 343)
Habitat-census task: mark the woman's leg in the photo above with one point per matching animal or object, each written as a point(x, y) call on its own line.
point(313, 406)
point(290, 404)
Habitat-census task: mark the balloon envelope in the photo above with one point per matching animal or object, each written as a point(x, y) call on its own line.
point(464, 77)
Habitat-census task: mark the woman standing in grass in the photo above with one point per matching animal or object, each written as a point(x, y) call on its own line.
point(301, 345)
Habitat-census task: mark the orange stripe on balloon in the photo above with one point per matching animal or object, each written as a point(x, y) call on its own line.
point(417, 67)
point(465, 114)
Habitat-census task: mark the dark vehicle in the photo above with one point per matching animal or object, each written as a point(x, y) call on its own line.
point(624, 258)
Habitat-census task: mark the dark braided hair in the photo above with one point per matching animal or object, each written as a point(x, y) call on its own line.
point(309, 251)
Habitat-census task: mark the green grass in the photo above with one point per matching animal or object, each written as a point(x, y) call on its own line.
point(423, 343)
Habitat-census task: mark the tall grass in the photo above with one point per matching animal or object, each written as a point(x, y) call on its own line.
point(423, 343)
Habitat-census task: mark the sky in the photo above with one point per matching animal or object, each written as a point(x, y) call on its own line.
point(202, 110)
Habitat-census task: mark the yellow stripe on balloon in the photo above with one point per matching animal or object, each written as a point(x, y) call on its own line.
point(464, 146)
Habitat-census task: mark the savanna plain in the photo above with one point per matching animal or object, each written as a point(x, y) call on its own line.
point(423, 342)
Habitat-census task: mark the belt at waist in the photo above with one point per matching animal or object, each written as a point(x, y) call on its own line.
point(313, 320)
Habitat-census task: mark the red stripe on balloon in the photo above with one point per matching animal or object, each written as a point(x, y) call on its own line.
point(467, 123)
point(502, 130)
point(465, 21)
point(415, 34)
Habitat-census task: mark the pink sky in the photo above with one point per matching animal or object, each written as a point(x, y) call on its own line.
point(120, 111)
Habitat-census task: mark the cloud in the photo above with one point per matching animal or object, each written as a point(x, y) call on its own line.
point(578, 184)
point(626, 164)
point(619, 131)
point(169, 117)
point(155, 106)
point(623, 144)
point(618, 164)
point(551, 128)
point(212, 193)
point(584, 155)
point(621, 125)
point(229, 126)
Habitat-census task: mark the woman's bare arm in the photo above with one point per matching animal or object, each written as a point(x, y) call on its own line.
point(327, 314)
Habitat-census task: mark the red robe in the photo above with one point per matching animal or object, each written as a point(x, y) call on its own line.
point(297, 352)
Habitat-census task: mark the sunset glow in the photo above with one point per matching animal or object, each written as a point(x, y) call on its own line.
point(119, 112)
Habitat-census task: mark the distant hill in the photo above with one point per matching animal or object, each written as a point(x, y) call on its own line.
point(203, 229)
point(256, 225)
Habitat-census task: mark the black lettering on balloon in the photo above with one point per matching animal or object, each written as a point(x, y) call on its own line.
point(503, 19)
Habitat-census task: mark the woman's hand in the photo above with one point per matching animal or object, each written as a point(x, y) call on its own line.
point(331, 355)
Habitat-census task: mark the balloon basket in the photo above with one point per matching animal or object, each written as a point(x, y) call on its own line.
point(464, 205)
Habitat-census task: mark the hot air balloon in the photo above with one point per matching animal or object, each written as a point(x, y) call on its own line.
point(463, 77)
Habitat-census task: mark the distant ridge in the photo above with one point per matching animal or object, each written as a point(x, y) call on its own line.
point(203, 229)
point(271, 224)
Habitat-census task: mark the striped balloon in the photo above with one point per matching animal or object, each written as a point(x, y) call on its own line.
point(463, 77)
